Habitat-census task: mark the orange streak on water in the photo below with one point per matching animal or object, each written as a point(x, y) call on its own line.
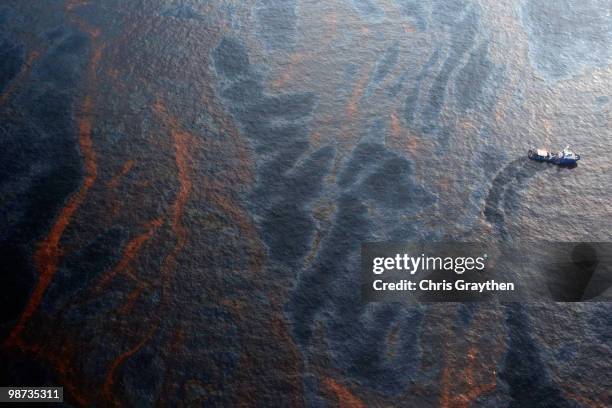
point(353, 105)
point(216, 194)
point(400, 139)
point(130, 252)
point(445, 395)
point(107, 388)
point(221, 191)
point(352, 109)
point(452, 376)
point(396, 128)
point(474, 390)
point(181, 141)
point(346, 399)
point(49, 252)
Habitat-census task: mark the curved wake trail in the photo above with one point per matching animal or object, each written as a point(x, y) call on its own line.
point(509, 181)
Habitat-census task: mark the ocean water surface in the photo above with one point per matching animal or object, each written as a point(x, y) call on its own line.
point(185, 186)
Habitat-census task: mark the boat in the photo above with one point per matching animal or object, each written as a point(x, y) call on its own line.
point(565, 157)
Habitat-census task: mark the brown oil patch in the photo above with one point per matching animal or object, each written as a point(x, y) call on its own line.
point(346, 399)
point(467, 377)
point(130, 252)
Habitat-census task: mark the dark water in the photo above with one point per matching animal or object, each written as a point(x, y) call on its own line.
point(185, 187)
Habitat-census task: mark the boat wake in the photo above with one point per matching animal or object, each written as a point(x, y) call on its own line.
point(504, 189)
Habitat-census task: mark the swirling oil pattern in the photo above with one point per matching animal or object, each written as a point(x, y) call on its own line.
point(185, 186)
